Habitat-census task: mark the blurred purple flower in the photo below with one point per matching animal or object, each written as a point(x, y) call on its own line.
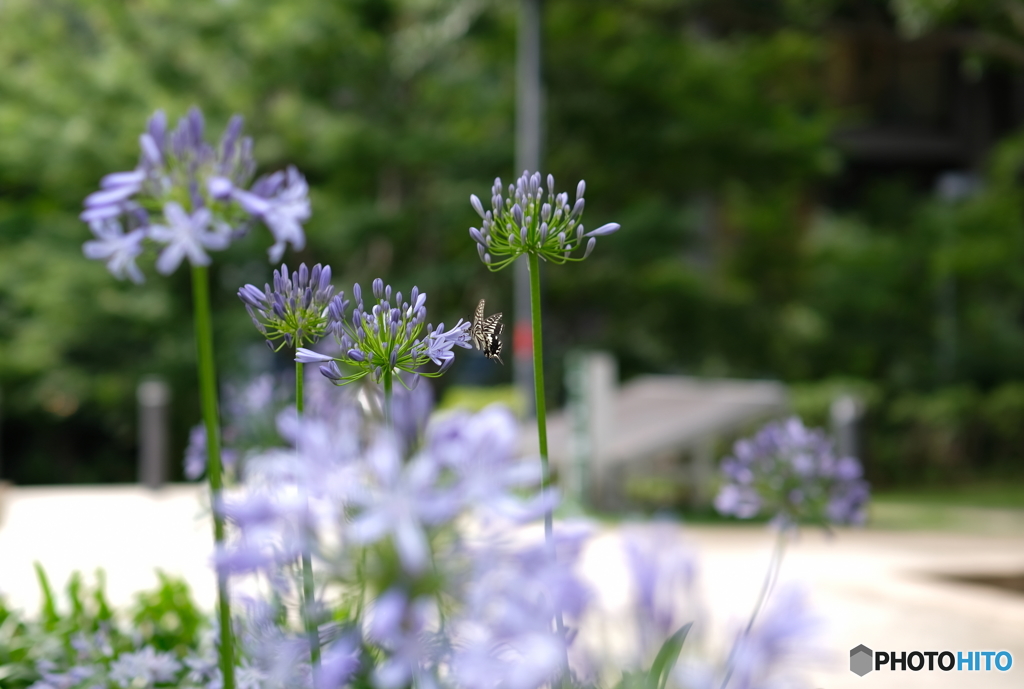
point(201, 192)
point(195, 454)
point(340, 662)
point(787, 637)
point(482, 449)
point(400, 502)
point(281, 201)
point(144, 668)
point(399, 626)
point(115, 247)
point(662, 570)
point(793, 472)
point(186, 236)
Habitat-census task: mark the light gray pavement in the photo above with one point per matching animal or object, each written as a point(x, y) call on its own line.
point(882, 589)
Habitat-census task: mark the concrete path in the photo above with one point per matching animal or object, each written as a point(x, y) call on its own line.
point(886, 590)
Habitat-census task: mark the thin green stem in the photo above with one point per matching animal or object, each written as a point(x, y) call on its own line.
point(542, 422)
point(770, 577)
point(208, 400)
point(388, 392)
point(538, 383)
point(308, 587)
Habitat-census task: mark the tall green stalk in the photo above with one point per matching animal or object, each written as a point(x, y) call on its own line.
point(770, 577)
point(308, 588)
point(538, 383)
point(208, 402)
point(542, 421)
point(388, 396)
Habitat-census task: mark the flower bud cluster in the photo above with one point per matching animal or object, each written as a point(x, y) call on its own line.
point(190, 197)
point(530, 222)
point(386, 337)
point(795, 473)
point(294, 312)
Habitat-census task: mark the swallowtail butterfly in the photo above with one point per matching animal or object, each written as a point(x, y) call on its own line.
point(485, 332)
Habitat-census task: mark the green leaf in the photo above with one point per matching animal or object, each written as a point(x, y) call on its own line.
point(50, 616)
point(666, 658)
point(100, 596)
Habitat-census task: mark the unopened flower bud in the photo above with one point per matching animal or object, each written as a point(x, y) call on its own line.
point(477, 206)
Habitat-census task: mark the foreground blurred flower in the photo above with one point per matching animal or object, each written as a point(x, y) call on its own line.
point(527, 223)
point(386, 339)
point(144, 668)
point(190, 197)
point(769, 654)
point(794, 473)
point(398, 535)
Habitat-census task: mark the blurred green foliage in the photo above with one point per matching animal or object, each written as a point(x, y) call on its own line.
point(165, 618)
point(709, 145)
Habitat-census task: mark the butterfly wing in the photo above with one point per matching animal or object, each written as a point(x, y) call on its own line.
point(492, 328)
point(476, 332)
point(486, 331)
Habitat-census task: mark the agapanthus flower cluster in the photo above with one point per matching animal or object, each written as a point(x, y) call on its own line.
point(387, 532)
point(530, 222)
point(293, 312)
point(189, 197)
point(388, 338)
point(794, 474)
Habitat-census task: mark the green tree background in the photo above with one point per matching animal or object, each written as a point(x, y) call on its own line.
point(710, 146)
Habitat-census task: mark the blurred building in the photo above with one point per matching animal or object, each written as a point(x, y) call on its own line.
point(921, 107)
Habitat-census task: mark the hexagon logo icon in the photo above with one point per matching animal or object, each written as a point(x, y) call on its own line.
point(860, 660)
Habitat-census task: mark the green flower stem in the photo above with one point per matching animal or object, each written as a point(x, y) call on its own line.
point(542, 422)
point(770, 577)
point(308, 588)
point(388, 391)
point(538, 383)
point(208, 399)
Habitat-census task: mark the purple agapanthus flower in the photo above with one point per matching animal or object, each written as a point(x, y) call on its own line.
point(292, 312)
point(386, 337)
point(187, 236)
point(532, 222)
point(400, 502)
point(511, 597)
point(793, 473)
point(117, 248)
point(281, 201)
point(399, 625)
point(195, 455)
point(144, 668)
point(773, 653)
point(482, 452)
point(190, 197)
point(662, 571)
